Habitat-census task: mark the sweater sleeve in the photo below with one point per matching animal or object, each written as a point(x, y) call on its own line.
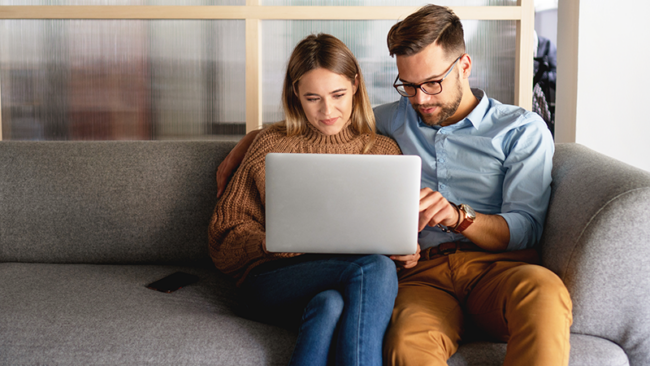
point(385, 146)
point(237, 227)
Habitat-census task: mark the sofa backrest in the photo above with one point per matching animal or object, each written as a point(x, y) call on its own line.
point(589, 186)
point(597, 239)
point(107, 202)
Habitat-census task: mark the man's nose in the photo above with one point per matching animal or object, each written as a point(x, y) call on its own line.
point(420, 97)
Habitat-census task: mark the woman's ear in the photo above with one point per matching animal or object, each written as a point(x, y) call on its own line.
point(355, 87)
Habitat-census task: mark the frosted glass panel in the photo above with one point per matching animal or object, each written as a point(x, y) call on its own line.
point(199, 71)
point(121, 79)
point(491, 44)
point(390, 2)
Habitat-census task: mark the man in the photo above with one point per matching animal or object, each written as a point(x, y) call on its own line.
point(494, 162)
point(477, 267)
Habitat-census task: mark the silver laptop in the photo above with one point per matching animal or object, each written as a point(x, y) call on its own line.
point(349, 204)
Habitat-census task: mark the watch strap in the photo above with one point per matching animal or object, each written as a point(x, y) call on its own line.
point(467, 221)
point(460, 218)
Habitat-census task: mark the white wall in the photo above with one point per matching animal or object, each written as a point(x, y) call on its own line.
point(604, 76)
point(546, 24)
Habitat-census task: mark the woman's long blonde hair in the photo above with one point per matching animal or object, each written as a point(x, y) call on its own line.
point(327, 52)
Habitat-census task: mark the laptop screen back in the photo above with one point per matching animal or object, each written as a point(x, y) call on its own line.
point(353, 204)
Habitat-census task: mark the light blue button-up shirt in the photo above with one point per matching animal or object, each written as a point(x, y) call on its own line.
point(497, 160)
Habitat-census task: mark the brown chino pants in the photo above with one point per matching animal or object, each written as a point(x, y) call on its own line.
point(504, 295)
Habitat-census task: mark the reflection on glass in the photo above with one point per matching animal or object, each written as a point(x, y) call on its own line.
point(121, 79)
point(492, 45)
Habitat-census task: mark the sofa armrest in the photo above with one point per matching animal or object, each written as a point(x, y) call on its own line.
point(597, 239)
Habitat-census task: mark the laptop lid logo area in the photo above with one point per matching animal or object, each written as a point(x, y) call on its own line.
point(348, 204)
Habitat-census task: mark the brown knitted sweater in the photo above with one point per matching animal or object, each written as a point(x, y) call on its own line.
point(237, 228)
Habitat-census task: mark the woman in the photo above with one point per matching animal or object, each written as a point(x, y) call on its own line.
point(345, 301)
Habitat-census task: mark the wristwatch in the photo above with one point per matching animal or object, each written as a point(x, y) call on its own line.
point(469, 215)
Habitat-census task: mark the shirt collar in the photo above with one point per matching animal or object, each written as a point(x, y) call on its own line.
point(478, 113)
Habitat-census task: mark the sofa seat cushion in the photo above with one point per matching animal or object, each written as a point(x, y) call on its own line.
point(81, 314)
point(585, 351)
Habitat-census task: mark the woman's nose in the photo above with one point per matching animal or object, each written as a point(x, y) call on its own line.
point(326, 107)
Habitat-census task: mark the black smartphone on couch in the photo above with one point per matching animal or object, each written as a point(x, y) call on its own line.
point(173, 282)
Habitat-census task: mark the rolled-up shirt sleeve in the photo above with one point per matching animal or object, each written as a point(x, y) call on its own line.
point(527, 182)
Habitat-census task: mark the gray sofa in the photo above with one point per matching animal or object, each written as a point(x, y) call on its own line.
point(84, 226)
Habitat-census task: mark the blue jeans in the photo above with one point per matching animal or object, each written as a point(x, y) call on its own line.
point(345, 301)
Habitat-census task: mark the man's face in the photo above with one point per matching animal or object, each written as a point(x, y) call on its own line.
point(431, 64)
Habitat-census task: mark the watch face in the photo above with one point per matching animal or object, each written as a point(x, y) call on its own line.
point(471, 214)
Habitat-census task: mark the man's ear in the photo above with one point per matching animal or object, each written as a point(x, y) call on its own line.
point(465, 66)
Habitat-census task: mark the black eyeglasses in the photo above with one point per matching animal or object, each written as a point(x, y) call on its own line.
point(429, 87)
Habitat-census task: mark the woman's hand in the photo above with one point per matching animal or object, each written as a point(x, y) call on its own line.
point(407, 261)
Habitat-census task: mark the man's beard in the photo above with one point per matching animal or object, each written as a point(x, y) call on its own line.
point(445, 110)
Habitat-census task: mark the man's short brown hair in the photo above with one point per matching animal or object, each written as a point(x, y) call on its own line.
point(431, 23)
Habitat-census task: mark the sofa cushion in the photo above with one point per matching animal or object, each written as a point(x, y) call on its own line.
point(104, 315)
point(107, 202)
point(596, 239)
point(585, 351)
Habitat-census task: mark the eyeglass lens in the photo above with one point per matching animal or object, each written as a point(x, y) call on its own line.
point(431, 88)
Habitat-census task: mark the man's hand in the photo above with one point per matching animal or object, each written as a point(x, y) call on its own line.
point(407, 261)
point(490, 232)
point(233, 160)
point(435, 209)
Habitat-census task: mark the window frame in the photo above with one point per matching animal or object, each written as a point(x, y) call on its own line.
point(253, 14)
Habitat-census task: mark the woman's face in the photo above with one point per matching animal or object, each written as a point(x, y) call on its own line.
point(326, 99)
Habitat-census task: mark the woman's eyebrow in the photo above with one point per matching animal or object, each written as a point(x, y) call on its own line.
point(308, 94)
